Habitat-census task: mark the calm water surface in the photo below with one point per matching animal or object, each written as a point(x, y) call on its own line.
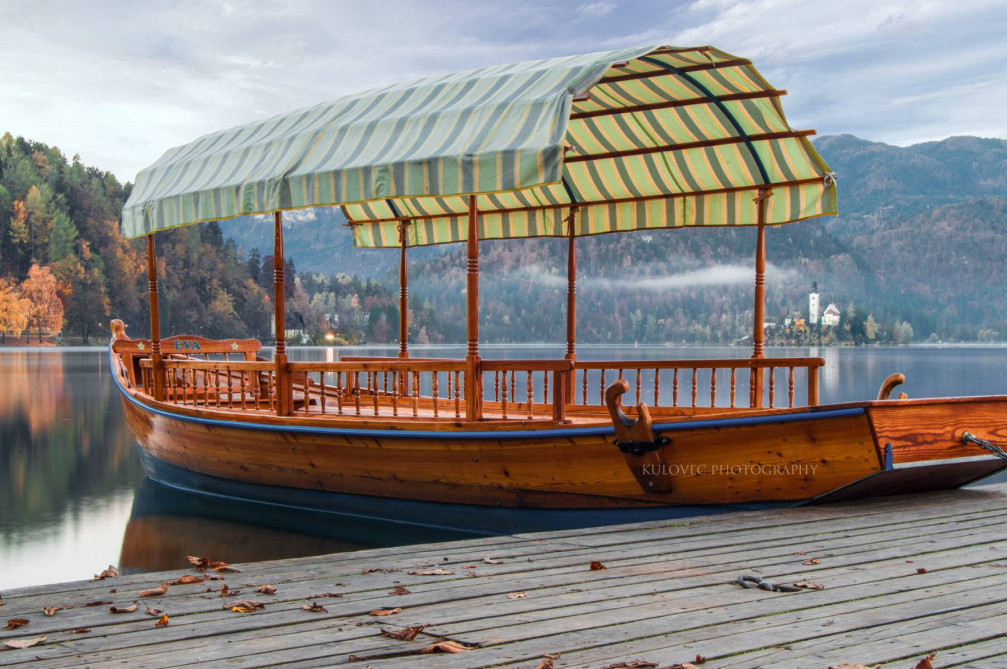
point(74, 499)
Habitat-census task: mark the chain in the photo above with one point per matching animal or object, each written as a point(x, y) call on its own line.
point(754, 581)
point(985, 445)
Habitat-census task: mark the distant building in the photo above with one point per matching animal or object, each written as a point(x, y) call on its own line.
point(813, 304)
point(831, 316)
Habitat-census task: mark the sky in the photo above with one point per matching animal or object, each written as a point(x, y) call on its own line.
point(119, 83)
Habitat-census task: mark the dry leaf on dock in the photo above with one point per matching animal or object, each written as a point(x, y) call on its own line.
point(811, 561)
point(489, 560)
point(23, 643)
point(246, 606)
point(186, 580)
point(407, 634)
point(162, 621)
point(446, 647)
point(517, 595)
point(597, 566)
point(809, 585)
point(400, 590)
point(386, 612)
point(315, 607)
point(635, 664)
point(50, 611)
point(14, 623)
point(325, 594)
point(111, 572)
point(431, 572)
point(378, 570)
point(78, 630)
point(855, 666)
point(152, 612)
point(266, 589)
point(925, 663)
point(123, 609)
point(154, 592)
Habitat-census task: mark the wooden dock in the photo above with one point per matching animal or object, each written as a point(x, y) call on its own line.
point(903, 577)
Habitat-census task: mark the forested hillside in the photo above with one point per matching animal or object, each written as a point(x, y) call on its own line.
point(917, 253)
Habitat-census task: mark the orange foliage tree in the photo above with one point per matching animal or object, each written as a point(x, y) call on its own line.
point(14, 310)
point(46, 312)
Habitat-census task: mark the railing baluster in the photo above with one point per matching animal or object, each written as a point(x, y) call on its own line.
point(584, 379)
point(674, 389)
point(503, 402)
point(713, 387)
point(601, 392)
point(374, 392)
point(772, 385)
point(396, 387)
point(513, 386)
point(733, 384)
point(321, 392)
point(496, 386)
point(531, 394)
point(458, 394)
point(339, 393)
point(433, 393)
point(416, 393)
point(790, 388)
point(657, 386)
point(356, 392)
point(695, 384)
point(545, 387)
point(638, 383)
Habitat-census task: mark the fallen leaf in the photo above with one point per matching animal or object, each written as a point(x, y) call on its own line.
point(925, 662)
point(246, 606)
point(112, 591)
point(547, 663)
point(921, 570)
point(809, 585)
point(78, 630)
point(23, 643)
point(200, 563)
point(517, 595)
point(111, 572)
point(801, 553)
point(828, 622)
point(812, 561)
point(152, 612)
point(856, 666)
point(162, 621)
point(225, 591)
point(400, 590)
point(100, 602)
point(186, 580)
point(386, 612)
point(154, 592)
point(379, 571)
point(124, 609)
point(266, 589)
point(407, 634)
point(50, 611)
point(638, 664)
point(14, 623)
point(446, 647)
point(431, 572)
point(315, 607)
point(489, 560)
point(325, 594)
point(699, 659)
point(470, 566)
point(597, 566)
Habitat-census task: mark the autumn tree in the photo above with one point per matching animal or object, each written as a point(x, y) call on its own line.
point(14, 310)
point(46, 311)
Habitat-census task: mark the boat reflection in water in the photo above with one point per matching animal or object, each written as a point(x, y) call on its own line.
point(168, 523)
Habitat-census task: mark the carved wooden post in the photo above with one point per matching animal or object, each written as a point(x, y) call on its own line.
point(473, 370)
point(760, 292)
point(403, 292)
point(283, 394)
point(571, 304)
point(156, 360)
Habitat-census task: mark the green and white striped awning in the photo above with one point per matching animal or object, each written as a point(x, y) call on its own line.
point(651, 137)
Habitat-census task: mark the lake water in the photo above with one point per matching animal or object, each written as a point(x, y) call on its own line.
point(74, 499)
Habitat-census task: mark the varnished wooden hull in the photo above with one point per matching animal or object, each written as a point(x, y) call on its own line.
point(747, 456)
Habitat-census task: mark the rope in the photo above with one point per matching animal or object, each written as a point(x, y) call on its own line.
point(754, 581)
point(985, 445)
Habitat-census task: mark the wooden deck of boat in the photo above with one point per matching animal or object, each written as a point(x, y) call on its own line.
point(903, 577)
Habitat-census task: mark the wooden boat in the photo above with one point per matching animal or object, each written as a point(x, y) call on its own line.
point(653, 137)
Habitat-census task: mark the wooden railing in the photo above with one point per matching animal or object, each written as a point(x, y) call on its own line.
point(690, 383)
point(433, 388)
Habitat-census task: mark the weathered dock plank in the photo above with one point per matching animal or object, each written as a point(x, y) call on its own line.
point(904, 577)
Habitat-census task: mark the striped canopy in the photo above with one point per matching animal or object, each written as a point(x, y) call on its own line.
point(650, 137)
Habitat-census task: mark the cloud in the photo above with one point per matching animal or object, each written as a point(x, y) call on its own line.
point(714, 276)
point(122, 83)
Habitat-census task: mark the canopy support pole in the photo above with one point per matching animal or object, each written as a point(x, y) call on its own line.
point(156, 360)
point(571, 302)
point(283, 395)
point(403, 292)
point(473, 371)
point(760, 295)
